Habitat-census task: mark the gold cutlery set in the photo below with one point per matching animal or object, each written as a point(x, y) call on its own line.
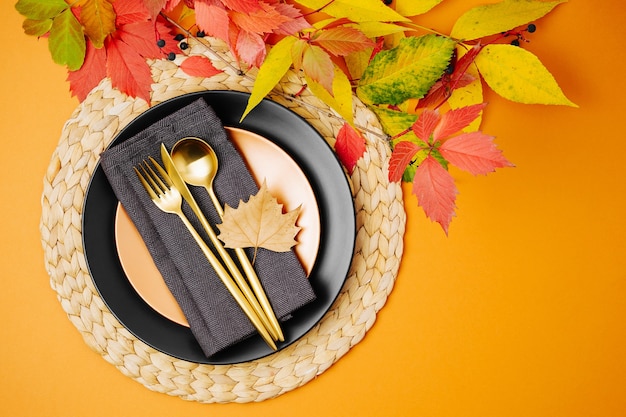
point(194, 162)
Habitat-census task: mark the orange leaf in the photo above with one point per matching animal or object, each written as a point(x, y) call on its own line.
point(259, 223)
point(213, 19)
point(342, 41)
point(98, 20)
point(264, 20)
point(199, 66)
point(317, 64)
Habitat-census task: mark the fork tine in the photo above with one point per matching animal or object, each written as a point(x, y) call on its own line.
point(154, 178)
point(145, 184)
point(163, 173)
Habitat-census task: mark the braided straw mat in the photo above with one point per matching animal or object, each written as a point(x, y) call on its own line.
point(379, 242)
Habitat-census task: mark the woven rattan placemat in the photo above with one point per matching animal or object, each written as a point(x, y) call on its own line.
point(379, 242)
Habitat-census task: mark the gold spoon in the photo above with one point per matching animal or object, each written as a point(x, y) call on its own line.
point(197, 164)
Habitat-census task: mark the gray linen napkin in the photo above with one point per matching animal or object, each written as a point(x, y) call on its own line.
point(214, 317)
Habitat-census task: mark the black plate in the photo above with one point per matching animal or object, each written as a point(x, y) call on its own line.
point(332, 191)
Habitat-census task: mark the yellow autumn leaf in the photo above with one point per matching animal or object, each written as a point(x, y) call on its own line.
point(357, 62)
point(341, 100)
point(259, 223)
point(469, 94)
point(273, 69)
point(499, 17)
point(415, 7)
point(518, 75)
point(98, 19)
point(356, 10)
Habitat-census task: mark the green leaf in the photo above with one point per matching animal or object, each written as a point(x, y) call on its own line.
point(500, 17)
point(67, 41)
point(415, 7)
point(518, 75)
point(40, 9)
point(36, 27)
point(275, 66)
point(406, 71)
point(394, 122)
point(341, 100)
point(357, 11)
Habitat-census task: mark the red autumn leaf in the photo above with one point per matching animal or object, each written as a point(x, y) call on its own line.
point(350, 146)
point(474, 152)
point(130, 11)
point(128, 70)
point(154, 7)
point(296, 21)
point(441, 91)
point(199, 66)
point(455, 120)
point(459, 78)
point(401, 156)
point(212, 17)
point(244, 6)
point(435, 190)
point(425, 125)
point(265, 20)
point(342, 41)
point(83, 80)
point(250, 47)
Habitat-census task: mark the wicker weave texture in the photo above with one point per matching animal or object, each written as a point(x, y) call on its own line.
point(379, 242)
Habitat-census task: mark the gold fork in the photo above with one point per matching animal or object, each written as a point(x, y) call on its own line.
point(167, 198)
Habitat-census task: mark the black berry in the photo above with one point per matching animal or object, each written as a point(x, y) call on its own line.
point(183, 45)
point(515, 42)
point(387, 2)
point(161, 43)
point(531, 28)
point(200, 34)
point(171, 56)
point(179, 37)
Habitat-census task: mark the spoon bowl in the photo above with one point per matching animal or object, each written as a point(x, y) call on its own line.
point(196, 161)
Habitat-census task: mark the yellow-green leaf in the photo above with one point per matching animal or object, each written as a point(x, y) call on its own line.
point(341, 100)
point(273, 69)
point(98, 19)
point(406, 71)
point(376, 29)
point(415, 7)
point(36, 27)
point(395, 122)
point(67, 41)
point(356, 10)
point(500, 17)
point(518, 75)
point(40, 9)
point(357, 62)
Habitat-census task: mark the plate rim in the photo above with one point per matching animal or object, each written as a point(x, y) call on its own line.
point(127, 131)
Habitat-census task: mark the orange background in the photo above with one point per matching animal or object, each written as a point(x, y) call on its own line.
point(519, 312)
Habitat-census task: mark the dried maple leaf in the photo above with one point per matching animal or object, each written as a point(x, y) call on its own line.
point(259, 223)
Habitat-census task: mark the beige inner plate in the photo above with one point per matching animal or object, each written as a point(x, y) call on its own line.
point(285, 181)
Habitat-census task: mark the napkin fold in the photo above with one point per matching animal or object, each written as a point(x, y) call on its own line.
point(214, 317)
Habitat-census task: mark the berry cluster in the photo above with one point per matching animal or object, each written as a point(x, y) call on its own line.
point(519, 35)
point(182, 45)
